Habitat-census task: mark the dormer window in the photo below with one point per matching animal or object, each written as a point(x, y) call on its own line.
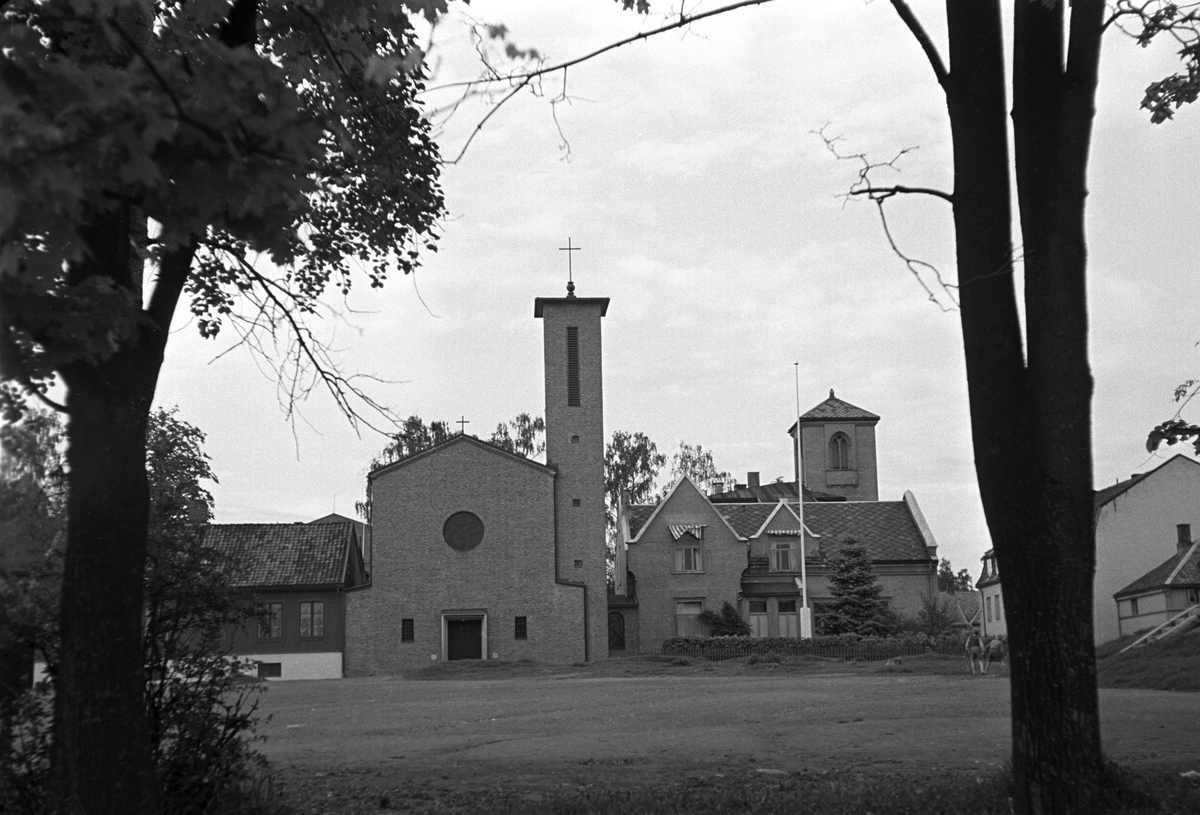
point(783, 555)
point(839, 452)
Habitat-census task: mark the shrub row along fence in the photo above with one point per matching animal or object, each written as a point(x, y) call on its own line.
point(718, 649)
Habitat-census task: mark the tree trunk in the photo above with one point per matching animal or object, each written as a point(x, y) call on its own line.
point(101, 738)
point(102, 760)
point(1031, 423)
point(102, 752)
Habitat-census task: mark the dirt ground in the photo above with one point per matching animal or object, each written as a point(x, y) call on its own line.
point(385, 738)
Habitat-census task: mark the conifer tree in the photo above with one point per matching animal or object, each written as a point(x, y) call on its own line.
point(857, 607)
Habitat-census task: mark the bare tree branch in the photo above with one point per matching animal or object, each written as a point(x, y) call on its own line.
point(878, 195)
point(524, 79)
point(918, 31)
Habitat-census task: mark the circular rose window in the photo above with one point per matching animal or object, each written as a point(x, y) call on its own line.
point(463, 531)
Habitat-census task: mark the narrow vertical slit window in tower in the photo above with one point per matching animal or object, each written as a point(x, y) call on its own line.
point(572, 366)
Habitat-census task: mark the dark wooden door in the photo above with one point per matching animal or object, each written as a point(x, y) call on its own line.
point(616, 631)
point(464, 639)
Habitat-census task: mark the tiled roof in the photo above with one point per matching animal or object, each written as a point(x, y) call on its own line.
point(885, 528)
point(834, 408)
point(277, 555)
point(769, 494)
point(966, 603)
point(638, 515)
point(1181, 569)
point(360, 527)
point(746, 519)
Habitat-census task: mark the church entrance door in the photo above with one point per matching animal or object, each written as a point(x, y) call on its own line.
point(464, 639)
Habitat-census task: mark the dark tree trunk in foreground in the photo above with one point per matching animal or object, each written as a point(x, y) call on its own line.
point(102, 760)
point(1030, 400)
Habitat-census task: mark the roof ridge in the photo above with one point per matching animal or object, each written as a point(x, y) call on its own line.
point(1183, 561)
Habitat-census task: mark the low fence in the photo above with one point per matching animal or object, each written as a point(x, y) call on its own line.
point(799, 649)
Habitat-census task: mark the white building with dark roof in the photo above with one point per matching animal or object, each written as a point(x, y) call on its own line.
point(1166, 592)
point(1140, 523)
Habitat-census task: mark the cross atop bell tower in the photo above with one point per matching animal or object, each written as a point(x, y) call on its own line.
point(570, 272)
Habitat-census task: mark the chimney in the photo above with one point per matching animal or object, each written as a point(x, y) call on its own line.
point(716, 487)
point(1184, 533)
point(752, 479)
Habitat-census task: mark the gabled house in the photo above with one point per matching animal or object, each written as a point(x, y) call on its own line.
point(994, 624)
point(1164, 592)
point(687, 554)
point(1138, 524)
point(299, 575)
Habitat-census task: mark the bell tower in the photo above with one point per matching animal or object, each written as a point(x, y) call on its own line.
point(575, 448)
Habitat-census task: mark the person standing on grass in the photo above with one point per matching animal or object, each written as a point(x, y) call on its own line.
point(994, 652)
point(974, 649)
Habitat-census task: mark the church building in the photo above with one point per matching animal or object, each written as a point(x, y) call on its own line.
point(478, 553)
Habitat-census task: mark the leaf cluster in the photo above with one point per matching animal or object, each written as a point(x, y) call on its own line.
point(265, 128)
point(527, 437)
point(631, 465)
point(697, 464)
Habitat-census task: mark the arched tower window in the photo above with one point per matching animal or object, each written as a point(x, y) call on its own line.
point(839, 452)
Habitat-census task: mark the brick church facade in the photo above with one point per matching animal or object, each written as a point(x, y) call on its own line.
point(482, 554)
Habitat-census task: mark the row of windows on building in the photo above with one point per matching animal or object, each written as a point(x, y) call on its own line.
point(785, 556)
point(689, 624)
point(312, 620)
point(408, 629)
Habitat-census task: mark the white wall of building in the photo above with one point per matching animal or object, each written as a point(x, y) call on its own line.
point(1136, 531)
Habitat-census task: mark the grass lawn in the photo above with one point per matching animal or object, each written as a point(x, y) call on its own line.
point(662, 734)
point(1173, 663)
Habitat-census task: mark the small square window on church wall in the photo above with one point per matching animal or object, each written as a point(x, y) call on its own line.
point(579, 564)
point(575, 502)
point(521, 628)
point(574, 440)
point(406, 630)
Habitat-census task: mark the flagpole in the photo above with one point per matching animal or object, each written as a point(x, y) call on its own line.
point(805, 611)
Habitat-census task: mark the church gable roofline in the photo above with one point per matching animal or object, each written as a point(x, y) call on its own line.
point(460, 439)
point(835, 410)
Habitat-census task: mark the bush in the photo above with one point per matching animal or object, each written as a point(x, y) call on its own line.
point(201, 712)
point(844, 646)
point(727, 623)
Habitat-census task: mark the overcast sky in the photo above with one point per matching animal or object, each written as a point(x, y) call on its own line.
point(710, 214)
